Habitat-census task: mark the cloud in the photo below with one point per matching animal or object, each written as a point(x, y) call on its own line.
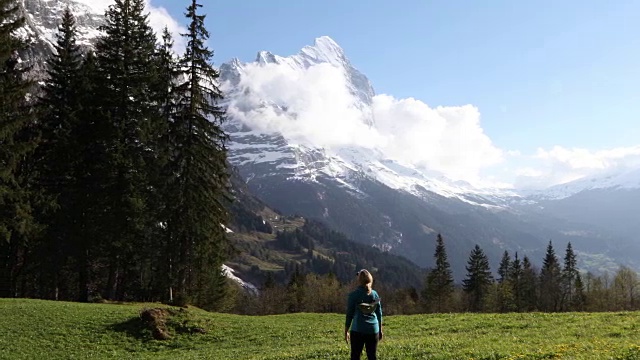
point(445, 139)
point(159, 17)
point(314, 105)
point(560, 165)
point(308, 106)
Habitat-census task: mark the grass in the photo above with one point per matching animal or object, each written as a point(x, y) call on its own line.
point(37, 329)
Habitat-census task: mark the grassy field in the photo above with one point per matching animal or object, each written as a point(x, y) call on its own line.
point(34, 329)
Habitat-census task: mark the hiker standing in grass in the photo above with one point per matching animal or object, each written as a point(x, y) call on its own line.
point(364, 317)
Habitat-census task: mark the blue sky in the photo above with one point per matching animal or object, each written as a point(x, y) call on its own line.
point(542, 73)
point(549, 78)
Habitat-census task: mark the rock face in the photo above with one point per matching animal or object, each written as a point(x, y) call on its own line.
point(42, 20)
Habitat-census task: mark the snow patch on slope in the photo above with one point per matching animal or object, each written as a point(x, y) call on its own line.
point(229, 273)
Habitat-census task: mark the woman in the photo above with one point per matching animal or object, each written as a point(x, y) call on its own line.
point(364, 317)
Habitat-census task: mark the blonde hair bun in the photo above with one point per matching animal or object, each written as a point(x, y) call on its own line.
point(365, 279)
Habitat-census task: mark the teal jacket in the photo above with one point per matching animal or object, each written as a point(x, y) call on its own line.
point(358, 320)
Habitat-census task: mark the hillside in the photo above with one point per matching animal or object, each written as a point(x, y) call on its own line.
point(268, 242)
point(36, 329)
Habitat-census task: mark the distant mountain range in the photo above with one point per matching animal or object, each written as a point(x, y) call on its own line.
point(381, 201)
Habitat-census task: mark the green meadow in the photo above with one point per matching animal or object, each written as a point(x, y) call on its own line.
point(37, 329)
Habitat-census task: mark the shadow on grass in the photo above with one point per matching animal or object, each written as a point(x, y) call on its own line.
point(133, 327)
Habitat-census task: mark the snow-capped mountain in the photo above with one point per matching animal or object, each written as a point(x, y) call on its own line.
point(267, 151)
point(619, 179)
point(359, 189)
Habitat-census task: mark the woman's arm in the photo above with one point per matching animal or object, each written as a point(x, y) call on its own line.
point(351, 309)
point(378, 313)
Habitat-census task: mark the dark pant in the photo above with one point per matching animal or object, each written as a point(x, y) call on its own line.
point(360, 340)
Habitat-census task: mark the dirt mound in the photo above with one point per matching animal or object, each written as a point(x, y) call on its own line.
point(156, 320)
point(161, 320)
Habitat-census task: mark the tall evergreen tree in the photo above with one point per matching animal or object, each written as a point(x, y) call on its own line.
point(439, 283)
point(529, 285)
point(570, 274)
point(17, 224)
point(504, 296)
point(503, 268)
point(164, 96)
point(579, 300)
point(478, 280)
point(56, 155)
point(130, 117)
point(515, 280)
point(550, 282)
point(200, 175)
point(90, 170)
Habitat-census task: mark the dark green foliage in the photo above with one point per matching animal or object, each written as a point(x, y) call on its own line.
point(504, 295)
point(438, 288)
point(478, 281)
point(91, 165)
point(18, 227)
point(550, 282)
point(56, 159)
point(198, 166)
point(503, 269)
point(515, 280)
point(130, 120)
point(528, 286)
point(130, 167)
point(579, 300)
point(568, 279)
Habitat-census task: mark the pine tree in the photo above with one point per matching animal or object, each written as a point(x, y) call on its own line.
point(529, 285)
point(161, 253)
point(90, 170)
point(550, 282)
point(129, 115)
point(56, 155)
point(569, 275)
point(515, 280)
point(198, 163)
point(503, 269)
point(478, 280)
point(439, 283)
point(504, 296)
point(579, 300)
point(17, 224)
point(166, 77)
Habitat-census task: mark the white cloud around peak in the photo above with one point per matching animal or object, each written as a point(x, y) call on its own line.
point(311, 106)
point(314, 105)
point(159, 18)
point(445, 139)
